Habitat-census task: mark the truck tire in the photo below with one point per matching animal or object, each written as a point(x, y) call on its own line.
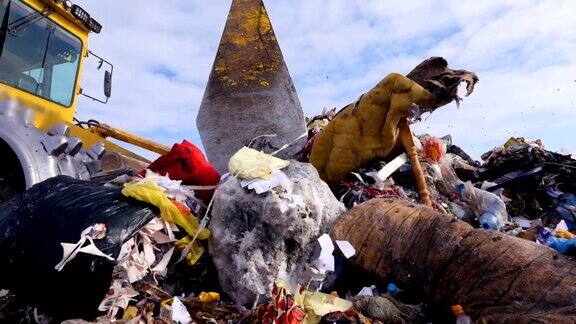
point(11, 175)
point(29, 156)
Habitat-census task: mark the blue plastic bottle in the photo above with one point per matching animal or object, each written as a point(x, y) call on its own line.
point(489, 220)
point(392, 289)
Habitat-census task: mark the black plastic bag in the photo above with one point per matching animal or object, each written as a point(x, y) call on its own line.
point(57, 210)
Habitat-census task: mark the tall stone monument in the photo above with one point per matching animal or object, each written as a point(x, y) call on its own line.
point(249, 92)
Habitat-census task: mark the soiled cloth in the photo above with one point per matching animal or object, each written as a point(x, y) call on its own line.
point(442, 82)
point(367, 129)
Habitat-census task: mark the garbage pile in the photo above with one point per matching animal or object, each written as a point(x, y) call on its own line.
point(330, 236)
point(121, 251)
point(518, 186)
point(127, 249)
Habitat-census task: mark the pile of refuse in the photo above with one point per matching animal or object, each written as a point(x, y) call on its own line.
point(333, 234)
point(520, 188)
point(254, 245)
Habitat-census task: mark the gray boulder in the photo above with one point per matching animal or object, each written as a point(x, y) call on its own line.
point(254, 243)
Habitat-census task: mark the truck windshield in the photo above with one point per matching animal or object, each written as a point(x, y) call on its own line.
point(36, 55)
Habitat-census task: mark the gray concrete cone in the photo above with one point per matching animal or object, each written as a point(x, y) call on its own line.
point(249, 92)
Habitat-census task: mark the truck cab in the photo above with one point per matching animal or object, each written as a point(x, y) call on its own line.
point(43, 48)
point(43, 45)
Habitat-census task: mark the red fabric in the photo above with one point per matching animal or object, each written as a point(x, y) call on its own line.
point(187, 163)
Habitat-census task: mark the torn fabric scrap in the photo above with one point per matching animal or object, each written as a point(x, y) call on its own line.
point(96, 231)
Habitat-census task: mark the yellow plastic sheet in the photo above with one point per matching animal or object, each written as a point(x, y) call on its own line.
point(150, 192)
point(209, 297)
point(251, 164)
point(196, 251)
point(317, 304)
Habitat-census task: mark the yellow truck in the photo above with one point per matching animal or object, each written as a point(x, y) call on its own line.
point(43, 49)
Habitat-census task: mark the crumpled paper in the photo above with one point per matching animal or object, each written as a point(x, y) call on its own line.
point(325, 261)
point(119, 295)
point(180, 313)
point(347, 249)
point(260, 186)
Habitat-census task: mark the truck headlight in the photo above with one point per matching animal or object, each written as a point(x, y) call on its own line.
point(94, 26)
point(80, 14)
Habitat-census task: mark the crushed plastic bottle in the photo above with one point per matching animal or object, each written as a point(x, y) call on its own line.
point(493, 214)
point(491, 208)
point(461, 318)
point(489, 220)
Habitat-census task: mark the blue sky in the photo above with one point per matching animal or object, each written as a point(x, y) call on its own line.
point(523, 51)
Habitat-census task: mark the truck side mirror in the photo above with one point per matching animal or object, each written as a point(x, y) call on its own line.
point(107, 83)
point(108, 71)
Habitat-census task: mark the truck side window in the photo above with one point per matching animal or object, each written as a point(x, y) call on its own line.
point(38, 56)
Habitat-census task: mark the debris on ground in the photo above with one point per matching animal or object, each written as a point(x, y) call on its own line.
point(369, 128)
point(345, 217)
point(271, 242)
point(347, 142)
point(41, 226)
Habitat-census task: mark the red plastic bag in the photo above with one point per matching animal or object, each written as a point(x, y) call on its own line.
point(186, 162)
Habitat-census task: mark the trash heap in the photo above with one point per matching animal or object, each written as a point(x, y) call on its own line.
point(519, 188)
point(136, 248)
point(336, 234)
point(132, 249)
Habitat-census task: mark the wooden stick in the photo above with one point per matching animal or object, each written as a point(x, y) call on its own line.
point(407, 141)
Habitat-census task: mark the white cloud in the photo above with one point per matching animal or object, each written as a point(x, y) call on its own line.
point(523, 51)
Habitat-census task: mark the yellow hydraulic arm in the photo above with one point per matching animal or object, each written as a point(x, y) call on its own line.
point(109, 131)
point(92, 131)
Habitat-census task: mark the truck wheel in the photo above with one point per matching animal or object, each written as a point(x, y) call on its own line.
point(12, 180)
point(29, 155)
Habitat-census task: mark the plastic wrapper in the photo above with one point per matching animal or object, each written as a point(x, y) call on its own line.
point(251, 164)
point(489, 208)
point(150, 192)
